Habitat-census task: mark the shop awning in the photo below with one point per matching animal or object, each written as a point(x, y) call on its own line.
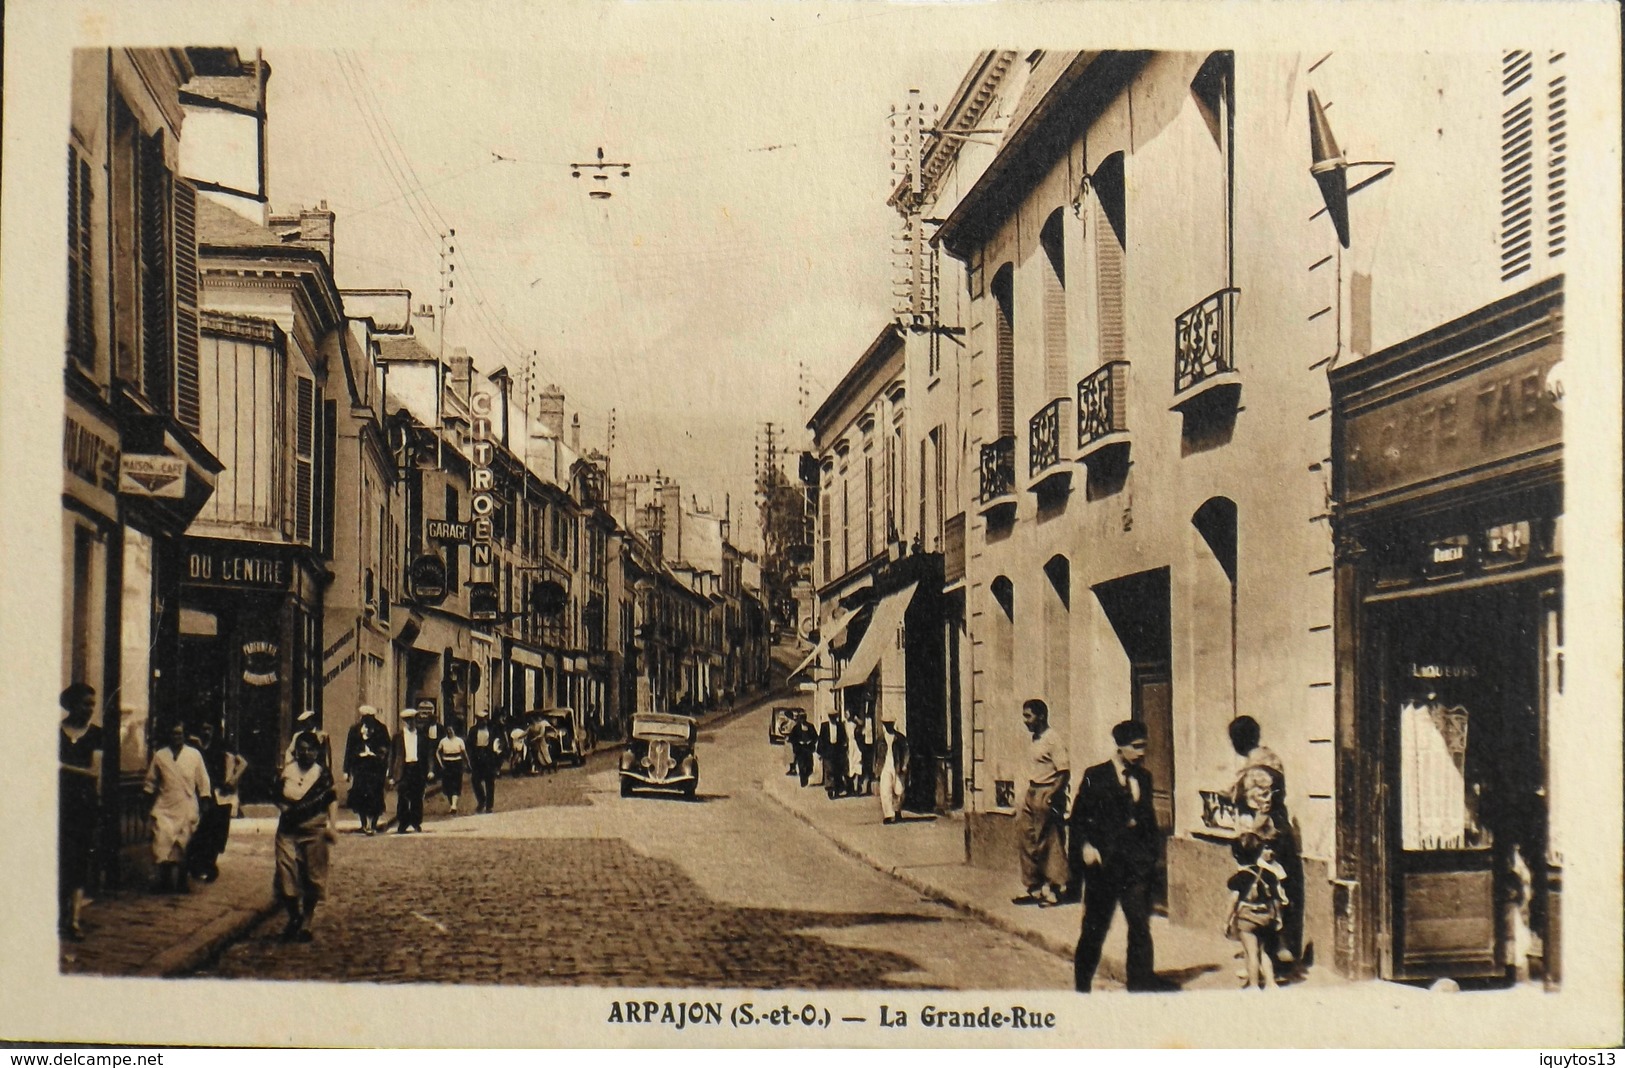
point(437, 635)
point(828, 635)
point(882, 634)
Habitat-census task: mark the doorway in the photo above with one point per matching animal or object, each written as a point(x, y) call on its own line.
point(1462, 716)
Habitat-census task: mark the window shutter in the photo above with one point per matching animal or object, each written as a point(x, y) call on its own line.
point(1557, 158)
point(304, 466)
point(1109, 283)
point(157, 325)
point(1004, 352)
point(81, 302)
point(188, 388)
point(1517, 163)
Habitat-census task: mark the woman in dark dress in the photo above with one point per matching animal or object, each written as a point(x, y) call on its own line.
point(79, 740)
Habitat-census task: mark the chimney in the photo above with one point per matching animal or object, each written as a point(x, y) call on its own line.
point(316, 230)
point(575, 433)
point(462, 372)
point(550, 414)
point(671, 506)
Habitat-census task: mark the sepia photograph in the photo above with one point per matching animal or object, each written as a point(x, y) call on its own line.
point(835, 525)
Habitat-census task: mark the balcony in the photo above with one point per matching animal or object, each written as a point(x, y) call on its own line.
point(998, 475)
point(1205, 356)
point(1048, 471)
point(1103, 412)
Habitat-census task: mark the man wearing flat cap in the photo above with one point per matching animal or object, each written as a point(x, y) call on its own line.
point(408, 771)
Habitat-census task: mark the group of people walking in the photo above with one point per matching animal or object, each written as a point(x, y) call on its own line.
point(1102, 844)
point(856, 757)
point(424, 750)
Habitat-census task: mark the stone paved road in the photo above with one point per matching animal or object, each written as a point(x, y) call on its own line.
point(585, 887)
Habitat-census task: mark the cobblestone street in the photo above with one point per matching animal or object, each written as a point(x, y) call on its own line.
point(585, 887)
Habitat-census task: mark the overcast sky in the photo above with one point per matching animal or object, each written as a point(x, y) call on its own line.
point(752, 233)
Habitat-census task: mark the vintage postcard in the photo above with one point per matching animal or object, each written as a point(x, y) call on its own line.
point(856, 524)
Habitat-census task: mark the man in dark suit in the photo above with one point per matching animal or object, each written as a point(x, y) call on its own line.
point(832, 751)
point(1117, 830)
point(409, 759)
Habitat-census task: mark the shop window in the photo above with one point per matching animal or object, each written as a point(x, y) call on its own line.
point(1438, 800)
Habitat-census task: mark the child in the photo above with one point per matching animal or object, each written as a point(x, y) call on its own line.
point(1256, 900)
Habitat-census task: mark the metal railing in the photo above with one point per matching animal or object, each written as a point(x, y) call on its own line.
point(1044, 438)
point(1202, 341)
point(1103, 402)
point(998, 468)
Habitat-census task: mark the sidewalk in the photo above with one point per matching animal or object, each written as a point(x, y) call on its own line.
point(135, 932)
point(928, 855)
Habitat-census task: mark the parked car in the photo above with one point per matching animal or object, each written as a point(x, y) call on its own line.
point(778, 727)
point(660, 755)
point(563, 736)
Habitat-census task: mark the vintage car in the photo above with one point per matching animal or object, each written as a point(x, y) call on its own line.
point(563, 735)
point(779, 726)
point(660, 755)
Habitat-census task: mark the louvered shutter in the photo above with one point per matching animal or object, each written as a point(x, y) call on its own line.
point(81, 303)
point(1517, 163)
point(1109, 283)
point(1557, 157)
point(157, 325)
point(1004, 354)
point(304, 465)
point(1054, 331)
point(188, 379)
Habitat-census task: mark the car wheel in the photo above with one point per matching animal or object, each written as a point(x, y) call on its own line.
point(626, 788)
point(689, 790)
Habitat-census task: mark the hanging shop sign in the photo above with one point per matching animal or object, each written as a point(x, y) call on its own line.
point(90, 455)
point(446, 530)
point(482, 483)
point(260, 663)
point(548, 598)
point(152, 476)
point(426, 579)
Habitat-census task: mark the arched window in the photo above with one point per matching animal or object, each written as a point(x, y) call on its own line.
point(1055, 369)
point(1004, 347)
point(1109, 223)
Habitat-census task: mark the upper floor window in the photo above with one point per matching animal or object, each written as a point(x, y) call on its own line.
point(1050, 239)
point(81, 292)
point(1109, 235)
point(1004, 348)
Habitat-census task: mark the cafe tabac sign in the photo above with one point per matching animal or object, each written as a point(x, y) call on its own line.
point(1492, 412)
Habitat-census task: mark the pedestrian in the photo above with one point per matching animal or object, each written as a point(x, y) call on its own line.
point(409, 759)
point(857, 756)
point(803, 740)
point(176, 780)
point(79, 744)
point(484, 760)
point(305, 832)
point(1260, 793)
point(1044, 870)
point(366, 766)
point(893, 771)
point(1120, 846)
point(1256, 901)
point(450, 756)
point(214, 812)
point(832, 753)
point(308, 720)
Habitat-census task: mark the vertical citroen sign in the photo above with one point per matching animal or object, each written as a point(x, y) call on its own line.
point(482, 593)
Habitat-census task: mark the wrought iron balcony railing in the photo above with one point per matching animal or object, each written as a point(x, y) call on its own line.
point(998, 468)
point(1044, 438)
point(1203, 349)
point(1103, 404)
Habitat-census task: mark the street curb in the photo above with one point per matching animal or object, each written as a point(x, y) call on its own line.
point(1109, 967)
point(206, 943)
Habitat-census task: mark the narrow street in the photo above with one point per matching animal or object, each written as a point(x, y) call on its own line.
point(583, 887)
